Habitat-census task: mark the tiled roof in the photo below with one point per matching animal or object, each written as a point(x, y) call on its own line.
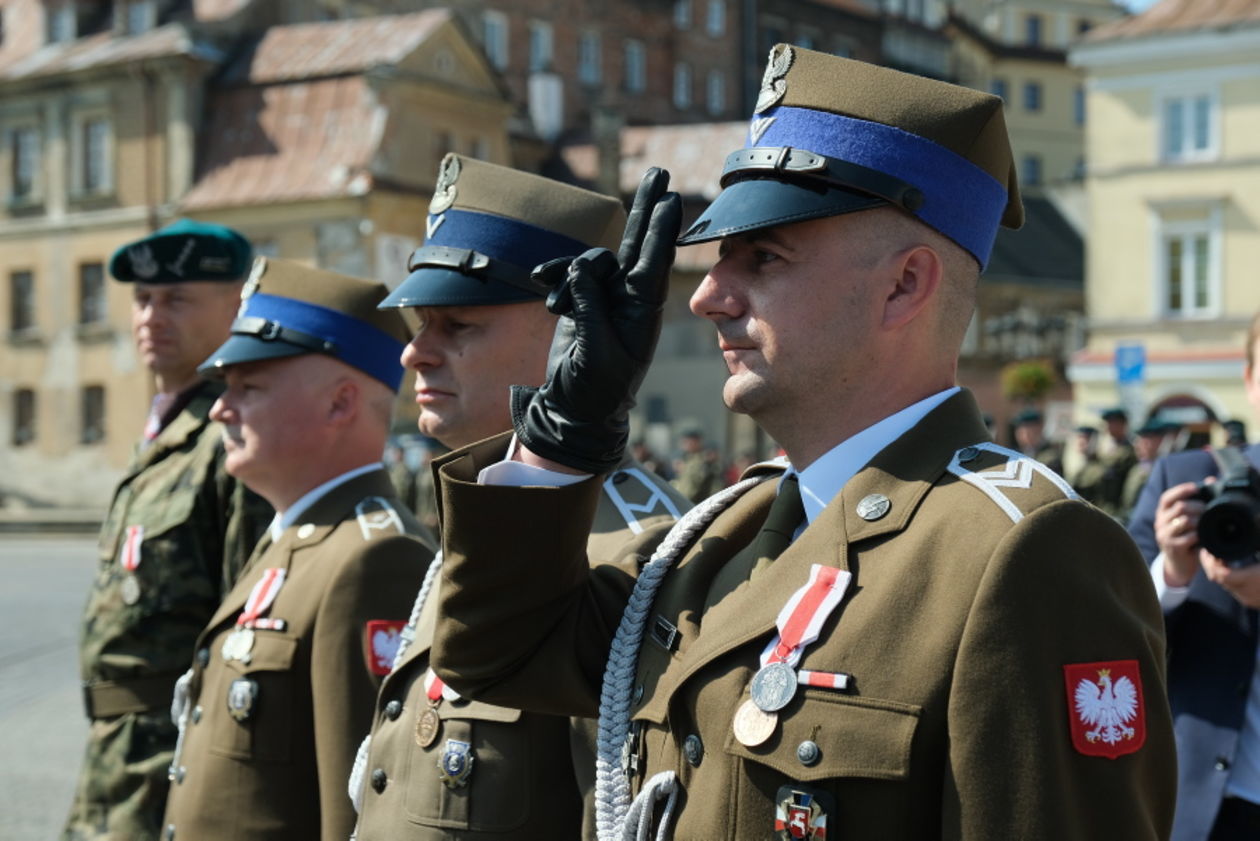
point(311, 50)
point(1177, 16)
point(100, 50)
point(292, 142)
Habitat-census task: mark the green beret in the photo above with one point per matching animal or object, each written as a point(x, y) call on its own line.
point(1115, 413)
point(1029, 416)
point(182, 251)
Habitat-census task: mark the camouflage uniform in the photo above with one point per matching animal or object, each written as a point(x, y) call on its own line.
point(195, 526)
point(698, 478)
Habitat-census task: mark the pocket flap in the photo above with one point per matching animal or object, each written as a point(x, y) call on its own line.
point(856, 737)
point(272, 652)
point(478, 710)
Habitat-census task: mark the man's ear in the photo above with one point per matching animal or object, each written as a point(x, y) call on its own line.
point(347, 399)
point(917, 276)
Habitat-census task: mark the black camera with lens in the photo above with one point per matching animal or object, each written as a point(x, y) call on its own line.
point(1229, 527)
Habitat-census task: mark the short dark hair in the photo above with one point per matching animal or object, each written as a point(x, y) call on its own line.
point(1253, 334)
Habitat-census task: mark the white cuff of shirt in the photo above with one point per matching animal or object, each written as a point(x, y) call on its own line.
point(1170, 598)
point(518, 474)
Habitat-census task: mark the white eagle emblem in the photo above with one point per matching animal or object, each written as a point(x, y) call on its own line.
point(773, 85)
point(385, 642)
point(1107, 707)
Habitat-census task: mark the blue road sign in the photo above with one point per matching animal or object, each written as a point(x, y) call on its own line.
point(1130, 363)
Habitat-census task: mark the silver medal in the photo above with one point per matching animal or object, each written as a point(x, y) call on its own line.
point(238, 645)
point(773, 686)
point(130, 589)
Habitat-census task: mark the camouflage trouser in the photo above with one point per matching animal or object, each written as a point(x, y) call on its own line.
point(121, 793)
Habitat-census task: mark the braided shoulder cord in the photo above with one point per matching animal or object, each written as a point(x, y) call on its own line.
point(612, 786)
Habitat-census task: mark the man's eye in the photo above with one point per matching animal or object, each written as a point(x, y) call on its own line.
point(764, 256)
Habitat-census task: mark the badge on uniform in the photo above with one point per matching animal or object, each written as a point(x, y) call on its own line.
point(455, 764)
point(376, 514)
point(1106, 714)
point(800, 813)
point(129, 560)
point(242, 695)
point(381, 639)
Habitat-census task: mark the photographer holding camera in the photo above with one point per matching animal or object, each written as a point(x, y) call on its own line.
point(1210, 609)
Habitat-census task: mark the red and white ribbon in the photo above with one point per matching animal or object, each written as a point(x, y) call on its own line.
point(261, 597)
point(129, 554)
point(825, 680)
point(435, 687)
point(801, 619)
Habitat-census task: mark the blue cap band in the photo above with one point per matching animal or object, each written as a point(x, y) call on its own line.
point(510, 240)
point(356, 343)
point(962, 201)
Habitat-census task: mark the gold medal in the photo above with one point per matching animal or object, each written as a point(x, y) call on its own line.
point(238, 645)
point(428, 725)
point(130, 589)
point(753, 725)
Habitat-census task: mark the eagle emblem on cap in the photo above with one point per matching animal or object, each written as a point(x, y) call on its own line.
point(142, 261)
point(773, 83)
point(444, 191)
point(251, 286)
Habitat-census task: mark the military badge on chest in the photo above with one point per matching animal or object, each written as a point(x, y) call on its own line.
point(456, 764)
point(800, 813)
point(242, 696)
point(239, 643)
point(129, 560)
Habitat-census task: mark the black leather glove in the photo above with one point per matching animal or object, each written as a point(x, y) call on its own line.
point(580, 416)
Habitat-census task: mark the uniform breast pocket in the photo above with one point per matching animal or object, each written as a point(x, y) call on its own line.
point(156, 537)
point(475, 774)
point(256, 701)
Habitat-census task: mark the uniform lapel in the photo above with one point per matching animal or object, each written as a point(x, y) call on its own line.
point(278, 554)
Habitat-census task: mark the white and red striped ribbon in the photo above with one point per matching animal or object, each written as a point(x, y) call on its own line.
point(801, 619)
point(825, 680)
point(435, 687)
point(129, 554)
point(261, 597)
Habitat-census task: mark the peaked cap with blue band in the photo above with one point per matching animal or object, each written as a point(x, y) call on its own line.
point(288, 309)
point(488, 226)
point(831, 135)
point(183, 251)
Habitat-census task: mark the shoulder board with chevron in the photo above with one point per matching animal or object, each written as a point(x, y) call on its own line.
point(1012, 471)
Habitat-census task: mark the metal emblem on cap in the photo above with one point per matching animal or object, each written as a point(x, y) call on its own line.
point(241, 697)
point(773, 85)
point(251, 285)
point(455, 765)
point(142, 262)
point(873, 506)
point(444, 191)
point(130, 589)
point(773, 686)
point(753, 725)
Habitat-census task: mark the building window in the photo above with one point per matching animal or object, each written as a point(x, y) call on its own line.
point(23, 416)
point(1030, 171)
point(1078, 105)
point(92, 309)
point(1187, 264)
point(541, 44)
point(139, 16)
point(93, 149)
point(495, 38)
point(715, 92)
point(636, 67)
point(62, 22)
point(682, 85)
point(589, 58)
point(715, 19)
point(25, 161)
point(1032, 30)
point(1189, 127)
point(998, 88)
point(21, 301)
point(92, 430)
point(682, 14)
point(1032, 96)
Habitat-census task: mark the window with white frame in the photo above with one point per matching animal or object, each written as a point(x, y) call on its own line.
point(24, 162)
point(682, 85)
point(495, 38)
point(1188, 263)
point(682, 14)
point(1032, 96)
point(1032, 30)
point(715, 92)
point(21, 301)
point(715, 18)
point(590, 58)
point(92, 413)
point(23, 416)
point(1189, 127)
point(636, 66)
point(93, 306)
point(94, 166)
point(541, 45)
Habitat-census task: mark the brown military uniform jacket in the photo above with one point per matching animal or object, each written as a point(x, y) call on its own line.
point(522, 783)
point(972, 590)
point(190, 526)
point(275, 766)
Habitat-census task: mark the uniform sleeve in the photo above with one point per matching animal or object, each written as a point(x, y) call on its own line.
point(379, 582)
point(524, 620)
point(1066, 586)
point(1142, 520)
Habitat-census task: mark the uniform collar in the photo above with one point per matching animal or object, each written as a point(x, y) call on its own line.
point(824, 479)
point(282, 521)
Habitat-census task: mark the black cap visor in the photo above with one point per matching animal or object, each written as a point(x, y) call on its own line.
point(434, 287)
point(241, 348)
point(754, 203)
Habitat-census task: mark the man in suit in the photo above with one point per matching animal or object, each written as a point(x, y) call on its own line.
point(439, 765)
point(286, 670)
point(1210, 611)
point(178, 531)
point(904, 632)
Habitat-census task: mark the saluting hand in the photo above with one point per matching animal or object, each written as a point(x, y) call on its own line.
point(580, 416)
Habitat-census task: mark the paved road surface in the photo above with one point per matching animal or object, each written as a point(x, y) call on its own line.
point(43, 585)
